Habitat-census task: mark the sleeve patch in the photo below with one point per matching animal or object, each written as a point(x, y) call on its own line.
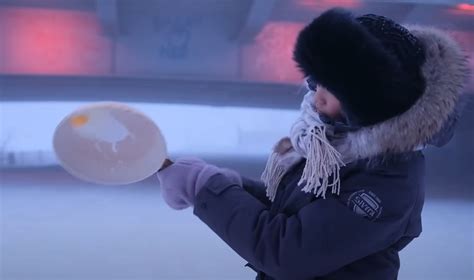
point(366, 204)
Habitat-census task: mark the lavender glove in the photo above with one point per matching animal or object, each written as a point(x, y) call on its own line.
point(182, 181)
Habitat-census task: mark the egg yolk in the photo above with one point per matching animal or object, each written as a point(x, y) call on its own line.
point(79, 120)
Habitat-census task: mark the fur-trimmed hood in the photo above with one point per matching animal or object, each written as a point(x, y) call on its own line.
point(446, 72)
point(328, 146)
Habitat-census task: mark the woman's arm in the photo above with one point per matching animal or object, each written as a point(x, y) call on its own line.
point(256, 189)
point(322, 237)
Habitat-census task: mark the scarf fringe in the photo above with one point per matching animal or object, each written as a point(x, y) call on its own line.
point(272, 175)
point(323, 161)
point(308, 139)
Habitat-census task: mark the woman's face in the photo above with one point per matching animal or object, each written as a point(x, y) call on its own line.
point(326, 103)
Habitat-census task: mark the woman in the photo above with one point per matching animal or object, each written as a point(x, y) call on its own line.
point(378, 94)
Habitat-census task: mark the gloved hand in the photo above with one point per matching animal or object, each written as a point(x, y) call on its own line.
point(182, 180)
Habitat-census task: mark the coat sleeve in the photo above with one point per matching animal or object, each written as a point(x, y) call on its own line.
point(256, 189)
point(322, 237)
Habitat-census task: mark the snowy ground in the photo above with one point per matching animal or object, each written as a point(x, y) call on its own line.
point(59, 230)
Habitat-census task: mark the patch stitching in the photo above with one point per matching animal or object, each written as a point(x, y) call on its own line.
point(366, 204)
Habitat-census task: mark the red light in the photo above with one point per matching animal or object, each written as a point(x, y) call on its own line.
point(48, 41)
point(466, 7)
point(462, 9)
point(270, 57)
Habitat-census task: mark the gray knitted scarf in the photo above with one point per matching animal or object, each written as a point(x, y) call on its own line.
point(308, 139)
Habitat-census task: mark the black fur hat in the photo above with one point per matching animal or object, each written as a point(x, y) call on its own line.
point(370, 63)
